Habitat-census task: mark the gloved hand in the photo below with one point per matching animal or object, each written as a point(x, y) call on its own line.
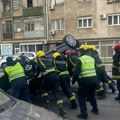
point(73, 82)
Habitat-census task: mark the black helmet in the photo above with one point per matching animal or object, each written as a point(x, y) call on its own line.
point(9, 59)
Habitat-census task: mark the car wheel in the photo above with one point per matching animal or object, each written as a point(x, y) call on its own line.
point(71, 41)
point(3, 65)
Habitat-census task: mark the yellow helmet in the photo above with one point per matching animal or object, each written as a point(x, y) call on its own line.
point(56, 54)
point(84, 47)
point(40, 54)
point(92, 47)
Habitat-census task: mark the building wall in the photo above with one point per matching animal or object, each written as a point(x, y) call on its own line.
point(71, 10)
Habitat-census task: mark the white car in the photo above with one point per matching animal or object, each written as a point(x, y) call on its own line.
point(29, 55)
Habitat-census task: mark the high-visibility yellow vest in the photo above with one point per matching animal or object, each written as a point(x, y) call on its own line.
point(15, 71)
point(88, 66)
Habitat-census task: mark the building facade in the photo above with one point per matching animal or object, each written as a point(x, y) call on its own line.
point(23, 25)
point(32, 25)
point(93, 22)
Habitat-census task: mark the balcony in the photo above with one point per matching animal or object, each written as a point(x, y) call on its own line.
point(33, 34)
point(35, 11)
point(7, 35)
point(6, 14)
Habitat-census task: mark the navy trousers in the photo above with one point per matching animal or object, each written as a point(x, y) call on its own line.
point(87, 92)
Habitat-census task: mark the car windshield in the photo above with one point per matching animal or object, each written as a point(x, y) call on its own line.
point(5, 100)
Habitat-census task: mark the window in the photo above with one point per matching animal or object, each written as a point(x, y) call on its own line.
point(7, 26)
point(106, 51)
point(17, 25)
point(59, 1)
point(85, 22)
point(84, 0)
point(114, 20)
point(29, 3)
point(16, 4)
point(57, 24)
point(29, 26)
point(35, 24)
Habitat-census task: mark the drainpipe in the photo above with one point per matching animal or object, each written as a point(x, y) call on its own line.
point(47, 21)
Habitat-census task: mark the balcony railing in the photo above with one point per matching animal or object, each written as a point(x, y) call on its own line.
point(34, 34)
point(7, 35)
point(35, 11)
point(6, 14)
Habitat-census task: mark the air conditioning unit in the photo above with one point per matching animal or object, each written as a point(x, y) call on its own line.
point(103, 16)
point(52, 7)
point(52, 32)
point(116, 0)
point(110, 1)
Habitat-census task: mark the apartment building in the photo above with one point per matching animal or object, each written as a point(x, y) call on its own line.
point(32, 25)
point(23, 25)
point(93, 22)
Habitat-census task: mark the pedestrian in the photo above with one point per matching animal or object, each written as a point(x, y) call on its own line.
point(15, 73)
point(116, 68)
point(85, 75)
point(61, 65)
point(51, 80)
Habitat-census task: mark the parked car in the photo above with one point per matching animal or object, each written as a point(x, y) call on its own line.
point(29, 55)
point(14, 109)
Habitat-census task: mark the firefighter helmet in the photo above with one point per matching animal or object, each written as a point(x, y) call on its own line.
point(56, 54)
point(84, 47)
point(92, 47)
point(40, 54)
point(116, 46)
point(68, 52)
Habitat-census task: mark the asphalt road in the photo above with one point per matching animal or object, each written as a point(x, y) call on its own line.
point(109, 108)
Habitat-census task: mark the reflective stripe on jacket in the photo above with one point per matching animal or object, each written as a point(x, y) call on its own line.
point(46, 64)
point(88, 66)
point(15, 71)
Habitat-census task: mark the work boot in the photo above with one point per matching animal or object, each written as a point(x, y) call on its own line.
point(85, 117)
point(73, 104)
point(117, 98)
point(101, 95)
point(62, 112)
point(112, 87)
point(46, 101)
point(95, 111)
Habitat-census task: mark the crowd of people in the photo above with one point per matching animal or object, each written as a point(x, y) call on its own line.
point(63, 70)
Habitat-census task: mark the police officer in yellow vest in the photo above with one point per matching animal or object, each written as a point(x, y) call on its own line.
point(15, 73)
point(61, 65)
point(85, 75)
point(51, 80)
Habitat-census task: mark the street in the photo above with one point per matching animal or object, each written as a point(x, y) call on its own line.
point(109, 108)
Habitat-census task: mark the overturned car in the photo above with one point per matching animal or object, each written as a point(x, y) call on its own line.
point(34, 76)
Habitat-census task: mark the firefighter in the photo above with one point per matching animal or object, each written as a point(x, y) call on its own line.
point(51, 80)
point(116, 67)
point(61, 65)
point(15, 73)
point(85, 75)
point(71, 57)
point(101, 73)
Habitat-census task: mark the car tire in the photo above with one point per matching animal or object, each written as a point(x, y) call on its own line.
point(71, 41)
point(3, 65)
